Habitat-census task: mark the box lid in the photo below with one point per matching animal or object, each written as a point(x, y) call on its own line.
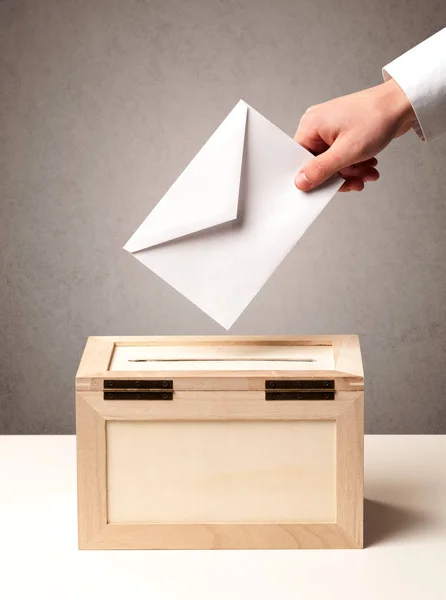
point(219, 362)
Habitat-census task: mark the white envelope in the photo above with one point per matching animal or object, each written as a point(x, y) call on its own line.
point(231, 217)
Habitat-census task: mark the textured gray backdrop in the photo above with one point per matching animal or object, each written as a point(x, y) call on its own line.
point(104, 102)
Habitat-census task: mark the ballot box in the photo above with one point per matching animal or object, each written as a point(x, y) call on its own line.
point(220, 442)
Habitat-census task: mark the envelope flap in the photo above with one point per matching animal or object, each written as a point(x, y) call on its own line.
point(207, 192)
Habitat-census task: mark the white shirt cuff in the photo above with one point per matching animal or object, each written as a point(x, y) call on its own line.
point(421, 74)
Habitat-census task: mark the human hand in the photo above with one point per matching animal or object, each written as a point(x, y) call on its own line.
point(347, 132)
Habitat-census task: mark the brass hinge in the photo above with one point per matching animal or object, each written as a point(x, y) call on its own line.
point(138, 389)
point(300, 389)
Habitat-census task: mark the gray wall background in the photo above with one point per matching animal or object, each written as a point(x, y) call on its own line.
point(103, 103)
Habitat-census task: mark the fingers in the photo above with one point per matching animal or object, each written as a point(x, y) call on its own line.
point(311, 141)
point(358, 174)
point(355, 184)
point(371, 162)
point(365, 173)
point(324, 166)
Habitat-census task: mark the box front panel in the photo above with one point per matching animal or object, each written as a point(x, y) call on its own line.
point(221, 471)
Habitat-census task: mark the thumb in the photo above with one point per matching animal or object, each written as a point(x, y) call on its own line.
point(322, 167)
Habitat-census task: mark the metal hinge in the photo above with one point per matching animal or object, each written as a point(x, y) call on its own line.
point(301, 389)
point(138, 389)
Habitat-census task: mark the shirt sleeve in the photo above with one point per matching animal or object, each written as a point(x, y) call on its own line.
point(421, 74)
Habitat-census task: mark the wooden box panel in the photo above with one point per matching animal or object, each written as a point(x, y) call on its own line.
point(218, 465)
point(221, 471)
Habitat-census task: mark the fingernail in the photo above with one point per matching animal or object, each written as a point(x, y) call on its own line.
point(302, 182)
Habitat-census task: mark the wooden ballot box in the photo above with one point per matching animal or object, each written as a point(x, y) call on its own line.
point(220, 442)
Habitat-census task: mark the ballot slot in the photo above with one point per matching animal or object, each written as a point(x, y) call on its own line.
point(239, 357)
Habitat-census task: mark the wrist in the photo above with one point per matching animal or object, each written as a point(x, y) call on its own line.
point(397, 104)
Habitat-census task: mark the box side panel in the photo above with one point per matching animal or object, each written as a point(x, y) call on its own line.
point(350, 471)
point(91, 472)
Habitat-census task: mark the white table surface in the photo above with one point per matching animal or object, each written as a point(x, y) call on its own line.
point(405, 487)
